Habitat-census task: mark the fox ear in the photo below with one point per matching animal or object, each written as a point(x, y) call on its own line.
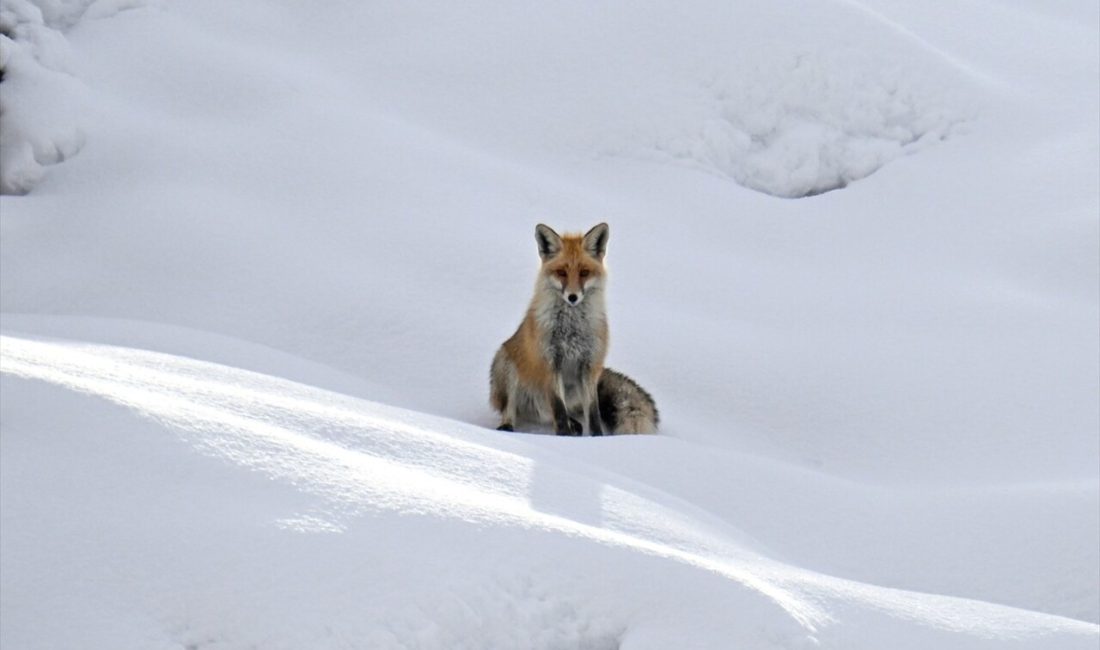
point(548, 240)
point(595, 241)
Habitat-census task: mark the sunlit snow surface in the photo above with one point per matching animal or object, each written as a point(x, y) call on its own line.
point(247, 322)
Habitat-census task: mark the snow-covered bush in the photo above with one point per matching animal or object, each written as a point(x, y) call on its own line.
point(39, 96)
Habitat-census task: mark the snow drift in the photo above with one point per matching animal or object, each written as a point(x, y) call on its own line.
point(297, 510)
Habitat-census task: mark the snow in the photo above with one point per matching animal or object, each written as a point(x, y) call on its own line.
point(40, 104)
point(404, 529)
point(247, 324)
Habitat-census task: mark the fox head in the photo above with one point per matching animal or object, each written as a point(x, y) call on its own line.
point(572, 265)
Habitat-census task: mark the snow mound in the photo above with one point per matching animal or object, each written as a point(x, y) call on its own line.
point(39, 105)
point(228, 509)
point(41, 100)
point(808, 122)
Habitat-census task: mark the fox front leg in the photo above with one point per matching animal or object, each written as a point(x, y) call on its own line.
point(563, 424)
point(508, 412)
point(595, 421)
point(591, 410)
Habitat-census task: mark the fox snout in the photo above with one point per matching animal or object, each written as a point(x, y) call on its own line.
point(572, 295)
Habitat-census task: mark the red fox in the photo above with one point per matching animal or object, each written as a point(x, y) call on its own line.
point(551, 371)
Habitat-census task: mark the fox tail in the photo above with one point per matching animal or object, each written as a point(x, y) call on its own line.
point(625, 406)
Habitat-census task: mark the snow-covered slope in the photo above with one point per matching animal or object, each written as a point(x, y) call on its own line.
point(879, 403)
point(326, 521)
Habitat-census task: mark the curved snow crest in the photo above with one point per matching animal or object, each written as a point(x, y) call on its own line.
point(360, 458)
point(360, 461)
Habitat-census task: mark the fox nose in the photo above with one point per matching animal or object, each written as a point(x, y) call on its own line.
point(573, 298)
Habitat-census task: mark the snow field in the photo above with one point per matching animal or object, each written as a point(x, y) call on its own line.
point(247, 328)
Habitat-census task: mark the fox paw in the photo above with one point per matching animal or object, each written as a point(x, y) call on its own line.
point(505, 427)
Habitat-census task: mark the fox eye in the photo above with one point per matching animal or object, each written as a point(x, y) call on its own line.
point(561, 273)
point(584, 273)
